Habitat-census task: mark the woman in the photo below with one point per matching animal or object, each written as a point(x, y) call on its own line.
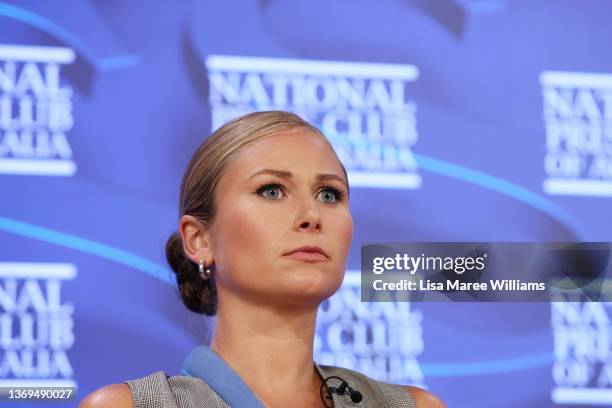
point(263, 239)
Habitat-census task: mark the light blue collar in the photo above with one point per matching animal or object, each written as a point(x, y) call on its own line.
point(205, 364)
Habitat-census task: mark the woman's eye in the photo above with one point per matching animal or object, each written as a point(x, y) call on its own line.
point(271, 191)
point(331, 195)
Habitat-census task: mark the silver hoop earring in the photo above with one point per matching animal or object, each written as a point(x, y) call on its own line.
point(205, 273)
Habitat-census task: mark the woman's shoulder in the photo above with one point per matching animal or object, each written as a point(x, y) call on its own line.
point(114, 395)
point(395, 395)
point(125, 394)
point(424, 398)
point(157, 389)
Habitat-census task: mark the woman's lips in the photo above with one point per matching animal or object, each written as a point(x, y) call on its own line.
point(307, 256)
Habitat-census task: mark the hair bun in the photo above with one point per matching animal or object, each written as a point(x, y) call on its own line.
point(197, 294)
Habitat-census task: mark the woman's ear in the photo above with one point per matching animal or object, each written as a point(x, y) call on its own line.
point(196, 239)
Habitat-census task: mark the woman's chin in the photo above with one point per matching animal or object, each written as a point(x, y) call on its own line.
point(310, 285)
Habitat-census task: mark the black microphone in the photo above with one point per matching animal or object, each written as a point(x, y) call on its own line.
point(355, 395)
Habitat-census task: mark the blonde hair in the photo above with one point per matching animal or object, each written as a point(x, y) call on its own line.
point(198, 187)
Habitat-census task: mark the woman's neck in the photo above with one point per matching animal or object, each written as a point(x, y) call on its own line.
point(271, 349)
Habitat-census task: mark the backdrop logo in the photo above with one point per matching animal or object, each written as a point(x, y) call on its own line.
point(35, 111)
point(578, 119)
point(381, 340)
point(36, 329)
point(582, 371)
point(362, 108)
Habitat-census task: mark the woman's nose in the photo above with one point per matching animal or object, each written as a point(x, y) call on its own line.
point(308, 225)
point(309, 218)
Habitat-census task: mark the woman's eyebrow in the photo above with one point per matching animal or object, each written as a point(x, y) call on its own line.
point(287, 175)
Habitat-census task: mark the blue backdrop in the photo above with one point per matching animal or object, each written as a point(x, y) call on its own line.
point(465, 120)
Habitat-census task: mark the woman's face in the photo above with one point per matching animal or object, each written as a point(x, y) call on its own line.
point(283, 192)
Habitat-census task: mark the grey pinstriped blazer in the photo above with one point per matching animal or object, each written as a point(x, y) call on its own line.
point(158, 390)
